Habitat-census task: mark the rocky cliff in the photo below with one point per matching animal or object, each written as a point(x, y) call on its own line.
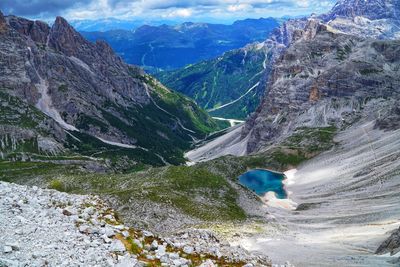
point(325, 75)
point(324, 84)
point(86, 89)
point(377, 19)
point(376, 9)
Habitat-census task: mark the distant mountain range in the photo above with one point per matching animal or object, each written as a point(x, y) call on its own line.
point(227, 86)
point(325, 69)
point(168, 47)
point(110, 24)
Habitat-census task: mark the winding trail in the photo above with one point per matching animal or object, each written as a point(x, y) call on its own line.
point(178, 121)
point(236, 100)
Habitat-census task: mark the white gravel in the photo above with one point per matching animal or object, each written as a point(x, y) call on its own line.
point(353, 196)
point(33, 224)
point(41, 227)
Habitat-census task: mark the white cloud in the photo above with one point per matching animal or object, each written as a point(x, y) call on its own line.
point(238, 7)
point(182, 13)
point(154, 9)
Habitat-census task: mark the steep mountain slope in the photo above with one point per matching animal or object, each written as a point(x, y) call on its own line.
point(90, 100)
point(347, 203)
point(170, 47)
point(295, 87)
point(232, 85)
point(322, 81)
point(379, 19)
point(339, 79)
point(373, 10)
point(330, 70)
point(214, 83)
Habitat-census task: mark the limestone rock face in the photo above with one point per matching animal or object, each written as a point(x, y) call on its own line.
point(391, 245)
point(375, 19)
point(86, 87)
point(36, 30)
point(318, 80)
point(375, 9)
point(327, 69)
point(3, 24)
point(65, 39)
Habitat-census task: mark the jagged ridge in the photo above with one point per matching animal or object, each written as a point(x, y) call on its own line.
point(86, 87)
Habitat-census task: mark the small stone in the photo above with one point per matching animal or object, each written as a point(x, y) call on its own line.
point(125, 233)
point(173, 256)
point(164, 259)
point(106, 239)
point(207, 263)
point(89, 210)
point(177, 262)
point(108, 217)
point(7, 249)
point(109, 232)
point(138, 243)
point(85, 216)
point(185, 236)
point(154, 245)
point(150, 257)
point(188, 249)
point(117, 246)
point(119, 227)
point(66, 213)
point(127, 261)
point(14, 246)
point(147, 234)
point(84, 229)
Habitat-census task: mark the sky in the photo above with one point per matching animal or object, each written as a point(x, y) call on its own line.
point(188, 10)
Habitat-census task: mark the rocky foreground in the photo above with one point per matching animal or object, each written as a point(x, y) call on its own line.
point(43, 227)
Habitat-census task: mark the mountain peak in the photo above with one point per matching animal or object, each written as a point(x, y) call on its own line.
point(3, 23)
point(2, 19)
point(60, 21)
point(371, 9)
point(64, 38)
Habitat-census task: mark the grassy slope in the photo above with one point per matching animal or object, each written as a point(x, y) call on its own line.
point(201, 191)
point(216, 82)
point(146, 124)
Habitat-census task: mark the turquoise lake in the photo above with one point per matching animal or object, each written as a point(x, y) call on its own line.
point(263, 181)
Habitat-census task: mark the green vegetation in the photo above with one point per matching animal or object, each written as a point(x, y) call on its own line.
point(202, 191)
point(195, 191)
point(159, 132)
point(345, 50)
point(63, 88)
point(85, 122)
point(370, 71)
point(183, 108)
point(219, 81)
point(57, 185)
point(14, 111)
point(24, 172)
